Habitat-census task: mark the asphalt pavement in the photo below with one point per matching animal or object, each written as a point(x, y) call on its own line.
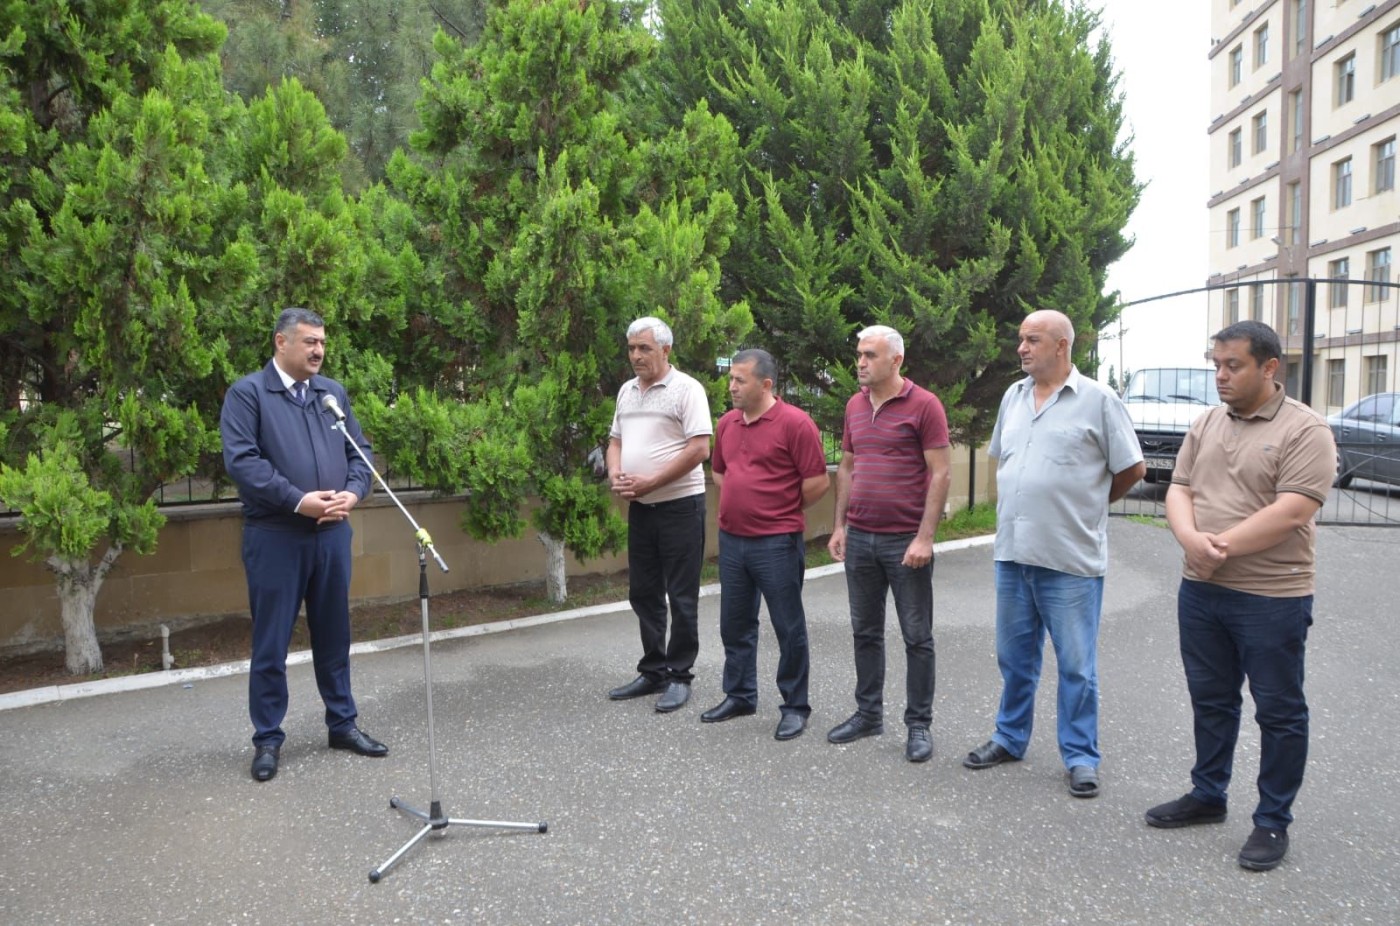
point(136, 807)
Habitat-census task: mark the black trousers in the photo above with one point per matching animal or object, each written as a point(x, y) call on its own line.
point(665, 550)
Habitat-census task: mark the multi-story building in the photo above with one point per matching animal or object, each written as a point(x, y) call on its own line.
point(1305, 106)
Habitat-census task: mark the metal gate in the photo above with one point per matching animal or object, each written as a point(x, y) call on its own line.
point(1340, 341)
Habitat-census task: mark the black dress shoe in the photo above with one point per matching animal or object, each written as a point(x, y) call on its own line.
point(988, 754)
point(265, 763)
point(790, 727)
point(677, 693)
point(727, 709)
point(641, 685)
point(358, 743)
point(855, 728)
point(920, 745)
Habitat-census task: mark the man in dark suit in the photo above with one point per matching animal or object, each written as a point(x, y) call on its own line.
point(298, 479)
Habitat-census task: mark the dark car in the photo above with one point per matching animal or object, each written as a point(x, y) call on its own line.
point(1368, 440)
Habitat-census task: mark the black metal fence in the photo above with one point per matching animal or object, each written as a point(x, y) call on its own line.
point(1341, 344)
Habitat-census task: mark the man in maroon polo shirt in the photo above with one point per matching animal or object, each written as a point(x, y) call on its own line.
point(768, 465)
point(890, 490)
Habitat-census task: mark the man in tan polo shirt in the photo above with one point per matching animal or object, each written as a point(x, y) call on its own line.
point(1250, 477)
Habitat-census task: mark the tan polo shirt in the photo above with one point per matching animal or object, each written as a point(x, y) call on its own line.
point(1236, 466)
point(654, 427)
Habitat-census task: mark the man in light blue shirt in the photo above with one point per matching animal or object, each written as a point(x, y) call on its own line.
point(1065, 449)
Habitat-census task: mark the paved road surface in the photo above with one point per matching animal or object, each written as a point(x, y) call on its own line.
point(137, 808)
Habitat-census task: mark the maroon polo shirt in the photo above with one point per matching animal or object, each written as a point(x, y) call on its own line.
point(763, 463)
point(889, 483)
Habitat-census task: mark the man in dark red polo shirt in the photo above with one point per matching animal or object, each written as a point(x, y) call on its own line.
point(890, 490)
point(768, 465)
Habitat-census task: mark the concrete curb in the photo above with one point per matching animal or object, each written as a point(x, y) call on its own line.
point(105, 686)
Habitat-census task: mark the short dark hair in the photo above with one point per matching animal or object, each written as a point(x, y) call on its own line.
point(295, 315)
point(1263, 340)
point(762, 361)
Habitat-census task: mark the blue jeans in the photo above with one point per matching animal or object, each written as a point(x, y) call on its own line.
point(1032, 600)
point(1226, 638)
point(874, 568)
point(665, 550)
point(773, 567)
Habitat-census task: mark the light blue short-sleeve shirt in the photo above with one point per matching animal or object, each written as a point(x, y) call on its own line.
point(1055, 468)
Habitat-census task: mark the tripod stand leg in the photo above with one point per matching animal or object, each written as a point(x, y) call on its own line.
point(418, 837)
point(540, 827)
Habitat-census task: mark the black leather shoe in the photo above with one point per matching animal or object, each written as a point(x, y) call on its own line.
point(988, 754)
point(727, 709)
point(357, 742)
point(855, 728)
point(674, 698)
point(265, 763)
point(641, 685)
point(920, 745)
point(1185, 811)
point(1265, 849)
point(790, 727)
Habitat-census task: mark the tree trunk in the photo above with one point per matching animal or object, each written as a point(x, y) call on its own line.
point(78, 583)
point(556, 582)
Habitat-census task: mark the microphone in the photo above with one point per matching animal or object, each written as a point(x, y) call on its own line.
point(329, 403)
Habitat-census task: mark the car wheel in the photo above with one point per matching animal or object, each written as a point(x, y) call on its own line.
point(1344, 473)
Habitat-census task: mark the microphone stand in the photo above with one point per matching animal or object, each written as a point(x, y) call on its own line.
point(434, 820)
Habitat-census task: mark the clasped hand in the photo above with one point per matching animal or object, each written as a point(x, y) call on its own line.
point(1205, 553)
point(327, 506)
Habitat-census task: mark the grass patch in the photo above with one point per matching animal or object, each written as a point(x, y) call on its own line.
point(1147, 519)
point(977, 521)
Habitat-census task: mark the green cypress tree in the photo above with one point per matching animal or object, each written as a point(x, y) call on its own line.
point(150, 227)
point(552, 226)
point(940, 167)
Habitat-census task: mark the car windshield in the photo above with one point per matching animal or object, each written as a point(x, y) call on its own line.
point(1173, 384)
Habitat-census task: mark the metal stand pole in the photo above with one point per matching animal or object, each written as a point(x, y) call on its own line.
point(434, 819)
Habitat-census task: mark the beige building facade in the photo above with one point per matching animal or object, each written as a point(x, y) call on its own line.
point(1305, 111)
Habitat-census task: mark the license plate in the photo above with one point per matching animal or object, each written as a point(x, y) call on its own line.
point(1160, 462)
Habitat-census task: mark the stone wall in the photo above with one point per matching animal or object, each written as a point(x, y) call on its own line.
point(196, 572)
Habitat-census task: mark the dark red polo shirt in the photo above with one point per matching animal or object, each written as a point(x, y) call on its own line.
point(890, 481)
point(763, 464)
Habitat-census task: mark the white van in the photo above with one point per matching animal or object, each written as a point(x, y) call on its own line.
point(1162, 402)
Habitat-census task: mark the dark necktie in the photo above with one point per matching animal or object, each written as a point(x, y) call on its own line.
point(299, 392)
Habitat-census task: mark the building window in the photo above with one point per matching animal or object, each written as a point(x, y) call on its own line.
point(1236, 65)
point(1232, 306)
point(1256, 302)
point(1261, 46)
point(1336, 382)
point(1294, 228)
point(1295, 322)
point(1300, 26)
point(1341, 184)
point(1232, 228)
point(1377, 271)
point(1390, 52)
point(1256, 218)
point(1383, 166)
point(1261, 131)
point(1295, 108)
point(1377, 376)
point(1235, 145)
point(1346, 79)
point(1339, 269)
